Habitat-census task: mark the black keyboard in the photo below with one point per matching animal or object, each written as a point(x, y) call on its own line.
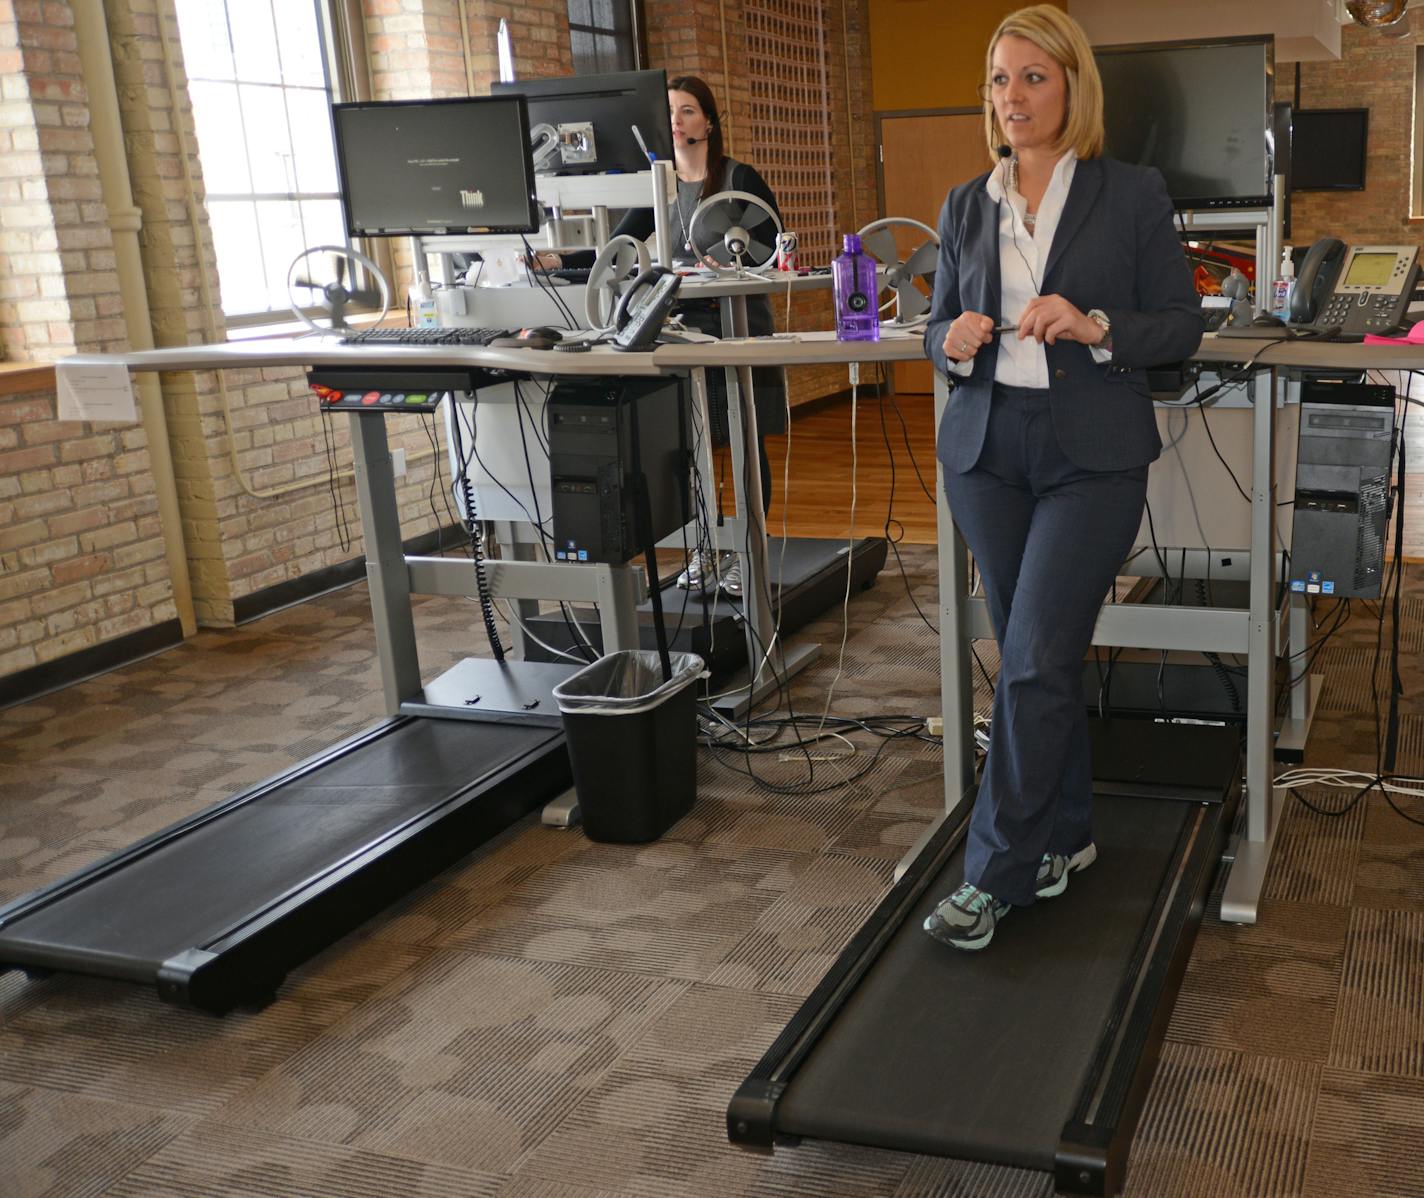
point(426, 335)
point(572, 274)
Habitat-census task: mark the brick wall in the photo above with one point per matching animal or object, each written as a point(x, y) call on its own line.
point(1376, 72)
point(81, 549)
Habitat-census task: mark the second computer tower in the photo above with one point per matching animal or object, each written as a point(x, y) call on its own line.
point(593, 471)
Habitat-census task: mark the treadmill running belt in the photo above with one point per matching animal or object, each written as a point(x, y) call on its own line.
point(982, 1054)
point(270, 876)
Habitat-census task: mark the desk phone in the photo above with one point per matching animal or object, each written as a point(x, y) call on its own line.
point(1354, 290)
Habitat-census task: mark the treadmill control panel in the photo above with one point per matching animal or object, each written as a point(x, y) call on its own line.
point(377, 400)
point(384, 392)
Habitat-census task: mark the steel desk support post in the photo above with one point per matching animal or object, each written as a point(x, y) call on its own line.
point(746, 475)
point(1252, 848)
point(956, 684)
point(386, 573)
point(763, 654)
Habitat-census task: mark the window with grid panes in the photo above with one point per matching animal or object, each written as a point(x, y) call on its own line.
point(261, 94)
point(602, 36)
point(788, 133)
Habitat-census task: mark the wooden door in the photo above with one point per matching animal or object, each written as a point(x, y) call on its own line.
point(923, 155)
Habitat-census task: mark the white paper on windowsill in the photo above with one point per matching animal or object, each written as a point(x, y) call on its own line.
point(90, 392)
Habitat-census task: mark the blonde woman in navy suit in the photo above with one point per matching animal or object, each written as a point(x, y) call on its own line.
point(1048, 433)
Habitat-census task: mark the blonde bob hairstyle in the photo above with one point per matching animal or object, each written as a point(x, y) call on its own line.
point(1060, 37)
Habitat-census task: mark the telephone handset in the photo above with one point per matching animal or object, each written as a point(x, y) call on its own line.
point(1315, 279)
point(644, 308)
point(1348, 291)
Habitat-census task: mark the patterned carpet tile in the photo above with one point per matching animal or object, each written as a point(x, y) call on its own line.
point(433, 912)
point(656, 1126)
point(1348, 671)
point(55, 1145)
point(1366, 1137)
point(538, 1187)
point(117, 1041)
point(1390, 872)
point(669, 909)
point(909, 798)
point(1221, 1124)
point(1380, 1024)
point(1314, 859)
point(757, 819)
point(1269, 988)
point(799, 938)
point(470, 1062)
point(219, 1161)
point(933, 1177)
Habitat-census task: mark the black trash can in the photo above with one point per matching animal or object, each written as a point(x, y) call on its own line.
point(632, 743)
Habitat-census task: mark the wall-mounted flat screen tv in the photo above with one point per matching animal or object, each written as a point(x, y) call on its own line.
point(1328, 149)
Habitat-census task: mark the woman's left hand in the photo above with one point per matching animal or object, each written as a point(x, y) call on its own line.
point(1049, 317)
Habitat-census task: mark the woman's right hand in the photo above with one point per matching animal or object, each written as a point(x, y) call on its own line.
point(967, 334)
point(544, 260)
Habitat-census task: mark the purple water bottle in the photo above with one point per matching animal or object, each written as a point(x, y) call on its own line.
point(857, 298)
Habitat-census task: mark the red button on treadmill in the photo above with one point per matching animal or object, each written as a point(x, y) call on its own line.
point(371, 397)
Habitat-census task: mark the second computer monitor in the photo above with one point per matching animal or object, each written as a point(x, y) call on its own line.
point(593, 117)
point(435, 166)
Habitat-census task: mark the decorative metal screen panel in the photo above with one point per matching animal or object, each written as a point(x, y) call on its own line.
point(788, 132)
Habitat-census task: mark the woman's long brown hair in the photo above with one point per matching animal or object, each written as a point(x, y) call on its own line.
point(716, 154)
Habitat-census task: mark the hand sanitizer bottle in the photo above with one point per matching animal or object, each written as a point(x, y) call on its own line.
point(1285, 284)
point(857, 297)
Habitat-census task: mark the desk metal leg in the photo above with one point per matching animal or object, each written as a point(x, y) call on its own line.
point(385, 562)
point(956, 682)
point(769, 665)
point(1252, 846)
point(1304, 687)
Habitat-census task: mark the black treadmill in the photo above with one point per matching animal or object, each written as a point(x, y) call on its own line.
point(1038, 1052)
point(215, 909)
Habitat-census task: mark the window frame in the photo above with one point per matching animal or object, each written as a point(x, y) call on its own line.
point(340, 67)
point(629, 28)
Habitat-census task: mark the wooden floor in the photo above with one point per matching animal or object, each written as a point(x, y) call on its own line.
point(822, 469)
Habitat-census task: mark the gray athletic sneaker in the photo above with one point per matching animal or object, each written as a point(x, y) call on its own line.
point(967, 918)
point(732, 577)
point(700, 573)
point(1054, 869)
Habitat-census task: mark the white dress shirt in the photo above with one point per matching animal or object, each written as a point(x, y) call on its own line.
point(1022, 256)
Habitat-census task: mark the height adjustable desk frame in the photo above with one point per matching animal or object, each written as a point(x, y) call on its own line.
point(1255, 630)
point(1252, 632)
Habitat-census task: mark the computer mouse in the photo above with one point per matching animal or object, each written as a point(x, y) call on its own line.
point(1264, 320)
point(542, 337)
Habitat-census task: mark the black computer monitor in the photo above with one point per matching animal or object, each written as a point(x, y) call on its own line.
point(594, 115)
point(435, 166)
point(1328, 149)
point(1199, 111)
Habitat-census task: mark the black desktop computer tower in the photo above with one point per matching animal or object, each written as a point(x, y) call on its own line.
point(1342, 488)
point(601, 431)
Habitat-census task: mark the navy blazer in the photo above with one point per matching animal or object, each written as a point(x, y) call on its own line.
point(1115, 249)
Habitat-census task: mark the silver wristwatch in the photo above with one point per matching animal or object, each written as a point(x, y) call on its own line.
point(1100, 318)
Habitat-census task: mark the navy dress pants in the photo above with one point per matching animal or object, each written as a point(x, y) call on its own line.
point(1048, 538)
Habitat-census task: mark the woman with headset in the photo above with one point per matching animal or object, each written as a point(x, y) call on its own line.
point(1060, 279)
point(703, 169)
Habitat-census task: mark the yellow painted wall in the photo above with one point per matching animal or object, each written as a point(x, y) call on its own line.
point(930, 53)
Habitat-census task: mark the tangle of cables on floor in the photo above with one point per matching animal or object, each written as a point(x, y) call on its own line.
point(793, 737)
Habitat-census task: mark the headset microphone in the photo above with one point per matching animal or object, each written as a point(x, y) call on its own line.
point(1006, 152)
point(692, 141)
